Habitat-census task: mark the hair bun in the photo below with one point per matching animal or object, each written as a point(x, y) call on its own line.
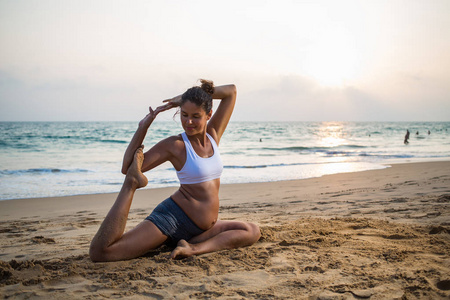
point(207, 86)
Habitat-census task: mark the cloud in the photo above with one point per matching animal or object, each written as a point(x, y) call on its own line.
point(11, 89)
point(260, 98)
point(298, 98)
point(60, 100)
point(88, 98)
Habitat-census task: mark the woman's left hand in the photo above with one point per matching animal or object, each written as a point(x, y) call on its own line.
point(148, 119)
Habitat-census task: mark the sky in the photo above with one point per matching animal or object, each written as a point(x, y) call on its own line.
point(105, 60)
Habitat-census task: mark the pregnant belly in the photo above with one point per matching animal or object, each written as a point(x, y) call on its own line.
point(202, 209)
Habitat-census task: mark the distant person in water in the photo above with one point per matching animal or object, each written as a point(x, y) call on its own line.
point(406, 137)
point(429, 132)
point(188, 219)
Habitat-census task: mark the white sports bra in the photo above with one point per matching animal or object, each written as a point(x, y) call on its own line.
point(198, 169)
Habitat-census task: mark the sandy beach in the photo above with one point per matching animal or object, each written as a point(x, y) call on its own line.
point(382, 234)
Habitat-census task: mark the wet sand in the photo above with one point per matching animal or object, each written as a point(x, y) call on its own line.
point(382, 234)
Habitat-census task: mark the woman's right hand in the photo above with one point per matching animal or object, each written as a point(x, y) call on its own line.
point(148, 119)
point(175, 101)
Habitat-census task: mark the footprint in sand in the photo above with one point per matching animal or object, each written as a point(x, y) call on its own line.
point(297, 201)
point(438, 229)
point(444, 285)
point(443, 199)
point(42, 240)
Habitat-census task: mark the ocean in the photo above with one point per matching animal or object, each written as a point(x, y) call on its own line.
point(46, 159)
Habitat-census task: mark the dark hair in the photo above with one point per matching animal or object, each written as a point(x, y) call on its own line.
point(200, 95)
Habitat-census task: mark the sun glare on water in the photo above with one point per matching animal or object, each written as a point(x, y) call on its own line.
point(331, 135)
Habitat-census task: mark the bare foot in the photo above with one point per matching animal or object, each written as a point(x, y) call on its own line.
point(183, 249)
point(134, 173)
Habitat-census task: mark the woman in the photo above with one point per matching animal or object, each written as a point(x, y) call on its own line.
point(189, 218)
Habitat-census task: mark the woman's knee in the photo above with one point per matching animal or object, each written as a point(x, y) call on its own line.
point(98, 253)
point(253, 232)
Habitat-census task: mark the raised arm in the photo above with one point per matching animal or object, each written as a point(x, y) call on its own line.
point(219, 121)
point(140, 134)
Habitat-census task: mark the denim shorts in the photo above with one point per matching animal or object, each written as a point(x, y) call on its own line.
point(173, 222)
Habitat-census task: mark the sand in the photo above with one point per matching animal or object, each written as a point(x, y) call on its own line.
point(381, 234)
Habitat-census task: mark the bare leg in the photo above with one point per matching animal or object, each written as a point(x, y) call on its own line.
point(224, 235)
point(105, 244)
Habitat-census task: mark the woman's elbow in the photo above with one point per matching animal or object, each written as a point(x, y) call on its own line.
point(233, 90)
point(124, 169)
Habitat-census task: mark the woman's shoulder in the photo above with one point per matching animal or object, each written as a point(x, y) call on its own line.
point(172, 144)
point(173, 140)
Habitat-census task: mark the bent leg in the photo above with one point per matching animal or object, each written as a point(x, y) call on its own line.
point(110, 243)
point(134, 243)
point(223, 235)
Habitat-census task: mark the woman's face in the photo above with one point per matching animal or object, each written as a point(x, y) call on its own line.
point(193, 118)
